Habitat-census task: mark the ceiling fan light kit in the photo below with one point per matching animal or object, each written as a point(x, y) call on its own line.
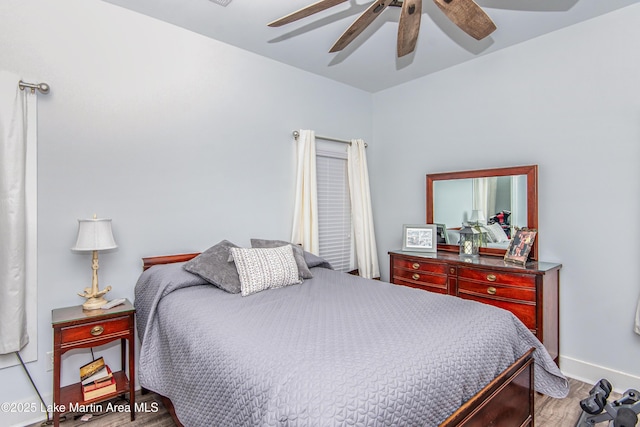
point(466, 14)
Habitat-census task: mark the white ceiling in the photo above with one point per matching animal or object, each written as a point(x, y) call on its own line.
point(369, 62)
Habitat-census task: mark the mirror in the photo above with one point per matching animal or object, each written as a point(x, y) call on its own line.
point(504, 196)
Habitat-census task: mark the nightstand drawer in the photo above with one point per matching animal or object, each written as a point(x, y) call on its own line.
point(493, 291)
point(438, 268)
point(489, 276)
point(95, 330)
point(525, 312)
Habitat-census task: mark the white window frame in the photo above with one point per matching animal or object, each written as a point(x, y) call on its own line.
point(336, 241)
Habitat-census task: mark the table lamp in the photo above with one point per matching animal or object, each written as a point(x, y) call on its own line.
point(477, 217)
point(94, 235)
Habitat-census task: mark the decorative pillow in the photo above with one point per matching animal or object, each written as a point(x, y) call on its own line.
point(496, 233)
point(265, 268)
point(316, 261)
point(213, 266)
point(298, 254)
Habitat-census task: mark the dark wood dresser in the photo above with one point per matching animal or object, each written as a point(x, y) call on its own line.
point(530, 291)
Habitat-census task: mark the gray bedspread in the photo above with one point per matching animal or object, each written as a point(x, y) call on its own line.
point(336, 350)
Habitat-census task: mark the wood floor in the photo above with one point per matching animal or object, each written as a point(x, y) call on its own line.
point(549, 412)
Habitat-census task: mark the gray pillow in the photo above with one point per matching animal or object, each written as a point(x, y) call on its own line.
point(213, 266)
point(316, 261)
point(298, 254)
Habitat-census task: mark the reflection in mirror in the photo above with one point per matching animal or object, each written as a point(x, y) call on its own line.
point(499, 199)
point(485, 201)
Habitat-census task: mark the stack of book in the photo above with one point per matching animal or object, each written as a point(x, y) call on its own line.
point(96, 380)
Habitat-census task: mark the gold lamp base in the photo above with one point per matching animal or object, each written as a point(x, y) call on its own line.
point(94, 297)
point(94, 303)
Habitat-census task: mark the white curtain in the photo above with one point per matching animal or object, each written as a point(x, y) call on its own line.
point(361, 213)
point(305, 214)
point(13, 151)
point(484, 195)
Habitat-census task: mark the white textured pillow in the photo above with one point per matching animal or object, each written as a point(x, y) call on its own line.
point(496, 233)
point(265, 268)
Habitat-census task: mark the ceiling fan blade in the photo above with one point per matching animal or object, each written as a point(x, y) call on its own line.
point(367, 17)
point(305, 11)
point(409, 26)
point(467, 15)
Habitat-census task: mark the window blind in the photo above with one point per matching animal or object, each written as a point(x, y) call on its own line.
point(334, 209)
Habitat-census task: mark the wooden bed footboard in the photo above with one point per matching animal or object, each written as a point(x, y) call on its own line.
point(507, 401)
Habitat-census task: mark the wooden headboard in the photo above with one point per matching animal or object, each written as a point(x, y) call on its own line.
point(166, 259)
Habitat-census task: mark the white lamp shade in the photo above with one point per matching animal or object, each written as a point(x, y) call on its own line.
point(94, 235)
point(477, 216)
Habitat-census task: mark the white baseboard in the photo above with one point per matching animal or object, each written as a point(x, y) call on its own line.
point(590, 374)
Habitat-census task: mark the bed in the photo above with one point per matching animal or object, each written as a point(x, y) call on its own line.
point(334, 350)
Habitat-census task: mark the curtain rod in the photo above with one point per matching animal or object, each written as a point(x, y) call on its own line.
point(42, 87)
point(296, 134)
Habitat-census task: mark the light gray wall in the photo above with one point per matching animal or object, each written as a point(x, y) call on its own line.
point(181, 140)
point(569, 102)
point(454, 202)
point(184, 141)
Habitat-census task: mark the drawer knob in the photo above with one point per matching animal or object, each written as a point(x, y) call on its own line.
point(491, 290)
point(415, 276)
point(415, 266)
point(491, 277)
point(97, 330)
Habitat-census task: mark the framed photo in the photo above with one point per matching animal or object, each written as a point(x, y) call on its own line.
point(420, 237)
point(441, 232)
point(520, 246)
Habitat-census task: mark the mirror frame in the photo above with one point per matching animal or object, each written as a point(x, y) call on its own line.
point(530, 171)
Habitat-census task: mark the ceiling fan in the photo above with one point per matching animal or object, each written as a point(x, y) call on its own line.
point(466, 14)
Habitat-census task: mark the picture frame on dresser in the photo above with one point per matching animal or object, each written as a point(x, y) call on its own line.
point(441, 232)
point(419, 238)
point(520, 246)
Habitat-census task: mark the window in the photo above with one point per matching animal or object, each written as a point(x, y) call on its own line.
point(334, 207)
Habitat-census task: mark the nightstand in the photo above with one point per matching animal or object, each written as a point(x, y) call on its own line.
point(75, 328)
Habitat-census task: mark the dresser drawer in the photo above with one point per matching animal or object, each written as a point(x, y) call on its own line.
point(496, 291)
point(492, 276)
point(439, 289)
point(421, 276)
point(419, 266)
point(95, 330)
point(525, 312)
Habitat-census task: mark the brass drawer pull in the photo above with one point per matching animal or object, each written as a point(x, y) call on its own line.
point(415, 276)
point(97, 330)
point(491, 290)
point(491, 277)
point(415, 266)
